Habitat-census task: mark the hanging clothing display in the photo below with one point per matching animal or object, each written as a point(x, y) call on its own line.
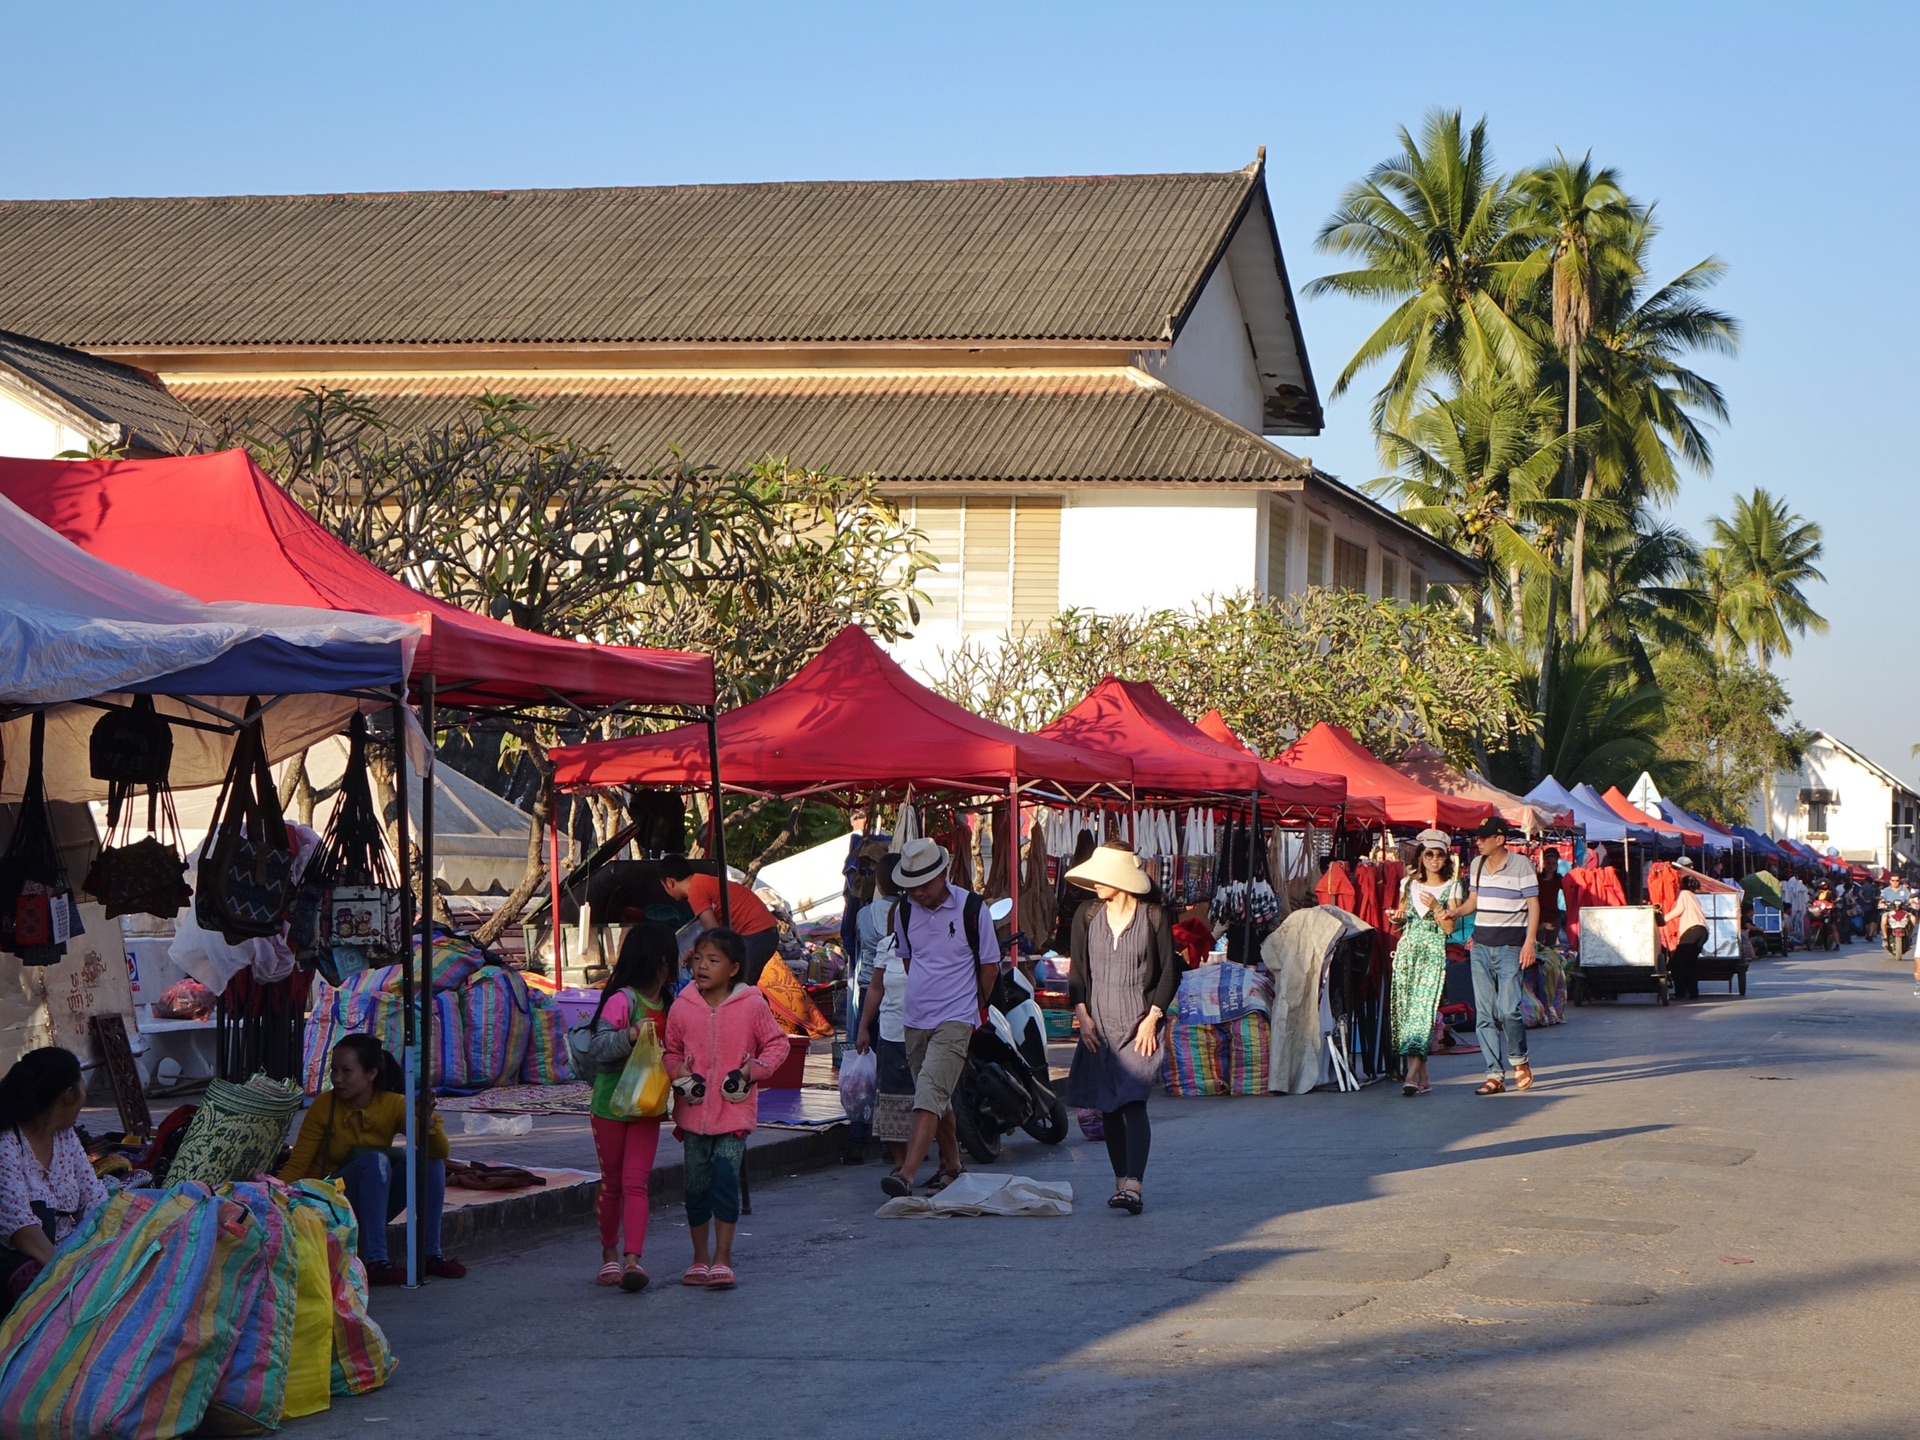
point(1589, 883)
point(1297, 955)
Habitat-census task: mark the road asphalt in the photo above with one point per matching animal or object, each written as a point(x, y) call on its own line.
point(1695, 1225)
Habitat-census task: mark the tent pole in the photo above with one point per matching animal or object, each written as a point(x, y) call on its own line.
point(717, 842)
point(1015, 834)
point(1247, 957)
point(558, 932)
point(403, 835)
point(416, 1235)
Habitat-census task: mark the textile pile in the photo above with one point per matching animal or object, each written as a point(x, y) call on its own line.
point(236, 1308)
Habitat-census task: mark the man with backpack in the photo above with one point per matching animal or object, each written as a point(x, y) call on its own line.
point(1503, 892)
point(952, 958)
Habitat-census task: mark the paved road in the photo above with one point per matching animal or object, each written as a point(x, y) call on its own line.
point(1698, 1224)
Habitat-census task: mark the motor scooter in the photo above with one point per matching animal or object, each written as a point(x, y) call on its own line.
point(1896, 930)
point(1006, 1083)
point(1823, 926)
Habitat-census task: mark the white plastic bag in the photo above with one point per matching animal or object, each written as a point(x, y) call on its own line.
point(859, 1082)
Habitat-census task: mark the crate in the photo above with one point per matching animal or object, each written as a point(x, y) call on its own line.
point(1059, 1024)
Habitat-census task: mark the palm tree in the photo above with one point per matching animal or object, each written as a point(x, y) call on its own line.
point(1476, 471)
point(1433, 229)
point(1572, 218)
point(1651, 409)
point(1603, 729)
point(1643, 582)
point(1768, 553)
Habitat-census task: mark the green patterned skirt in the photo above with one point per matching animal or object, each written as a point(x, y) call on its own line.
point(1419, 975)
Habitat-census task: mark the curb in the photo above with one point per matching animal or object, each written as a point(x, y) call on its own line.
point(537, 1216)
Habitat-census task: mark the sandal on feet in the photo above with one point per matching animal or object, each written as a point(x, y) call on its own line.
point(1493, 1085)
point(721, 1277)
point(609, 1274)
point(1131, 1202)
point(1409, 1089)
point(634, 1279)
point(697, 1275)
point(1117, 1201)
point(1425, 1086)
point(895, 1184)
point(1522, 1075)
point(941, 1179)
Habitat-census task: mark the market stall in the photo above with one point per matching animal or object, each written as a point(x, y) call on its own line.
point(1408, 803)
point(1671, 836)
point(1426, 766)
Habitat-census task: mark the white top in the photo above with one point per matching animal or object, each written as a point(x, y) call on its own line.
point(1422, 896)
point(893, 997)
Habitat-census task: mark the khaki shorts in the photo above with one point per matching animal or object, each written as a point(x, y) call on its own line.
point(936, 1057)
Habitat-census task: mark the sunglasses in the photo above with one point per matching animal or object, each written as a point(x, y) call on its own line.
point(1441, 853)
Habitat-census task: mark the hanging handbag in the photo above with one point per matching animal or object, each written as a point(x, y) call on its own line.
point(133, 746)
point(36, 914)
point(347, 898)
point(246, 868)
point(145, 876)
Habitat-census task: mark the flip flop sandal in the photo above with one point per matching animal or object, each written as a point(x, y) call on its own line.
point(721, 1277)
point(895, 1184)
point(609, 1274)
point(697, 1275)
point(635, 1280)
point(1409, 1089)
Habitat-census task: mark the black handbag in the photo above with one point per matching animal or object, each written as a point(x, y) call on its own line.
point(347, 895)
point(145, 876)
point(245, 884)
point(36, 907)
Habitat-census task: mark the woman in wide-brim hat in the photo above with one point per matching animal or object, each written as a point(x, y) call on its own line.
point(1420, 959)
point(1122, 981)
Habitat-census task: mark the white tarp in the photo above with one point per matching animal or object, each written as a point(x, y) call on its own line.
point(811, 882)
point(985, 1192)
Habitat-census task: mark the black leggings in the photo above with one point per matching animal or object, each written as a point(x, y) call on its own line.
point(1129, 1137)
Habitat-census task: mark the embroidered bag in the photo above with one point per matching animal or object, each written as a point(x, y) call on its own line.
point(246, 880)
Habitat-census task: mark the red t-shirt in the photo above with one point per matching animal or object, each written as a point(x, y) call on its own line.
point(750, 917)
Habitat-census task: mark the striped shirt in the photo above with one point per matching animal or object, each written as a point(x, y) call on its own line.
point(1500, 900)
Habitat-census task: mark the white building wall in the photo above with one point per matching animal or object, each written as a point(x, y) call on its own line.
point(29, 433)
point(1127, 550)
point(1212, 361)
point(1859, 825)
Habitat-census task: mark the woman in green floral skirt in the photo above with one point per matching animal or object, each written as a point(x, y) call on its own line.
point(1420, 960)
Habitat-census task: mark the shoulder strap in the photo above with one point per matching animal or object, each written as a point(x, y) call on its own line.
point(902, 942)
point(976, 904)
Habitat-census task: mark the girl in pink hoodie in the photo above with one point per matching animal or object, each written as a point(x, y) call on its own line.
point(721, 1042)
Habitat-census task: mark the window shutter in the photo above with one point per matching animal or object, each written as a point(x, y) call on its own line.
point(1316, 552)
point(1036, 561)
point(986, 565)
point(938, 519)
point(1279, 544)
point(1419, 586)
point(1389, 578)
point(1350, 566)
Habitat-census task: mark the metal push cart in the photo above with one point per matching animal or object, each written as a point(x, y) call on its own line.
point(1620, 954)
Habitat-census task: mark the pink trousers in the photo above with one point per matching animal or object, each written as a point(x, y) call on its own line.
point(626, 1149)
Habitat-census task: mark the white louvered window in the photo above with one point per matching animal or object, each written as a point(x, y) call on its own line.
point(999, 560)
point(1279, 544)
point(1389, 577)
point(1316, 552)
point(1417, 591)
point(938, 519)
point(1350, 566)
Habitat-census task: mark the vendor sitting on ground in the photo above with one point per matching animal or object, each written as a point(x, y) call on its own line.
point(751, 920)
point(47, 1184)
point(348, 1135)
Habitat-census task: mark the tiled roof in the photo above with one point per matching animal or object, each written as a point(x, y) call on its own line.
point(1114, 258)
point(1074, 426)
point(149, 417)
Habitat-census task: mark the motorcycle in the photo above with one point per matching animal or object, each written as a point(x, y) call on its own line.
point(1823, 927)
point(1006, 1084)
point(1896, 930)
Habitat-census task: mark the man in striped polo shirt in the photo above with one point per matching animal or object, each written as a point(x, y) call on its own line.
point(1503, 896)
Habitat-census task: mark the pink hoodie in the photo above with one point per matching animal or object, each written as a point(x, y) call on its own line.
point(712, 1042)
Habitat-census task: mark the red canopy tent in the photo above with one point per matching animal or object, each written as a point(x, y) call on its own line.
point(1172, 756)
point(1330, 748)
point(852, 719)
point(1214, 726)
point(1627, 810)
point(218, 528)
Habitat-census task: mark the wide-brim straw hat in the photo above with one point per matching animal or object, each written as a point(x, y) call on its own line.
point(918, 862)
point(1111, 865)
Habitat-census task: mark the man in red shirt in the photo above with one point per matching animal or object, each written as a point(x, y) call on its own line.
point(701, 893)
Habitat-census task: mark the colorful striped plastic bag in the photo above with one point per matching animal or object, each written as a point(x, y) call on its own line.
point(126, 1334)
point(362, 1359)
point(251, 1396)
point(546, 1062)
point(309, 1370)
point(498, 1014)
point(455, 960)
point(1246, 1042)
point(1195, 1063)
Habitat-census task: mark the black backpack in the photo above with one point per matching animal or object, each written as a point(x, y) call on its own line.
point(971, 912)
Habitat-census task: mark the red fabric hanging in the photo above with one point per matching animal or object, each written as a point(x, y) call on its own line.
point(1336, 887)
point(1585, 885)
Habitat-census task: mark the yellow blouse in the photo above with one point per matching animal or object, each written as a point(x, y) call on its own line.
point(331, 1133)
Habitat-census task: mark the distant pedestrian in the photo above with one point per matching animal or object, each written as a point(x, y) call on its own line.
point(636, 994)
point(881, 1025)
point(1420, 959)
point(1689, 925)
point(749, 917)
point(1503, 894)
point(952, 958)
point(722, 1042)
point(1121, 983)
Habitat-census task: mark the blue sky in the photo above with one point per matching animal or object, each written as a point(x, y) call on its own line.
point(1780, 139)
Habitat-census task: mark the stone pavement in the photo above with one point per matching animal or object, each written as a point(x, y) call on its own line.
point(1696, 1225)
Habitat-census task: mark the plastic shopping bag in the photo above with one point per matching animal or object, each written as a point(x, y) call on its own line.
point(644, 1089)
point(859, 1081)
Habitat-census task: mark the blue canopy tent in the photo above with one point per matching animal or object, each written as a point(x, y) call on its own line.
point(76, 631)
point(1752, 840)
